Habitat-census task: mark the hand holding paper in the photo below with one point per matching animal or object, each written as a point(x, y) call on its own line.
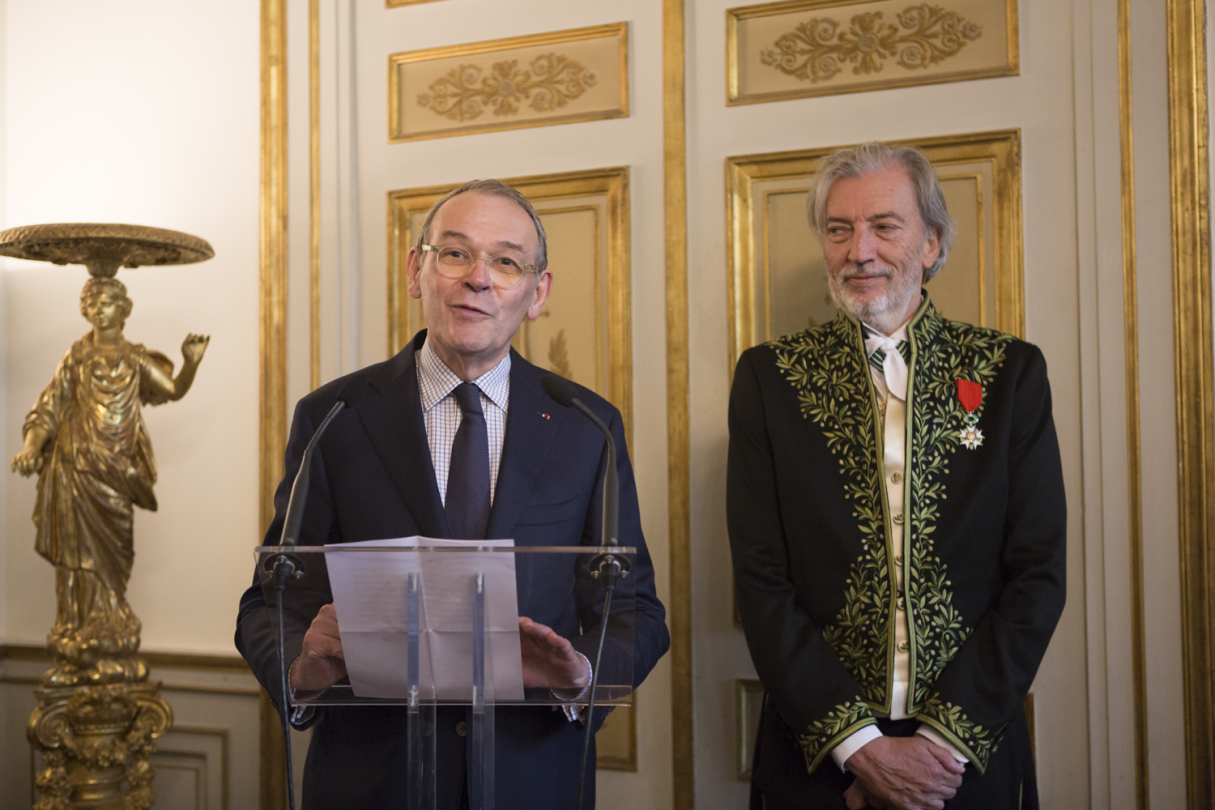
point(320, 664)
point(549, 659)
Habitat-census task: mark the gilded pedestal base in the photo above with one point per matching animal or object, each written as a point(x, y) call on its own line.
point(95, 742)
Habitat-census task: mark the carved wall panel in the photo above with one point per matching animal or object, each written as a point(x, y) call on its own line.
point(532, 81)
point(805, 48)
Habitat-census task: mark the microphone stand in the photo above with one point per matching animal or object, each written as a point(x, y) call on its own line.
point(608, 566)
point(285, 567)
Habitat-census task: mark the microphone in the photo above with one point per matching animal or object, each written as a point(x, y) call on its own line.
point(565, 393)
point(607, 566)
point(350, 394)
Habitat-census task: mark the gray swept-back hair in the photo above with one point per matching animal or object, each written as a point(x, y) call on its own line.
point(871, 157)
point(492, 188)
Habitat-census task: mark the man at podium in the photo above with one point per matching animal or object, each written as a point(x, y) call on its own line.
point(454, 438)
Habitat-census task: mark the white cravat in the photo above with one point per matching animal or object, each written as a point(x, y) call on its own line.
point(894, 367)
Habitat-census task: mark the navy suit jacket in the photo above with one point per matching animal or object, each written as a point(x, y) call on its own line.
point(373, 479)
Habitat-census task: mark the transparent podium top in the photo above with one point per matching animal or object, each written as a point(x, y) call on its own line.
point(427, 620)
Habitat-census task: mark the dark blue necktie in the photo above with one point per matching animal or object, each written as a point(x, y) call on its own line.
point(468, 476)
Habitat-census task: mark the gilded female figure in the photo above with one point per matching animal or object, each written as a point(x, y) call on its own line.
point(86, 439)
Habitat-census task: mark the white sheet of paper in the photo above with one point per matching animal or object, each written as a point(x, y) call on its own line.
point(371, 599)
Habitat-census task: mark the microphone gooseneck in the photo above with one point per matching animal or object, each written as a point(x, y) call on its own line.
point(285, 567)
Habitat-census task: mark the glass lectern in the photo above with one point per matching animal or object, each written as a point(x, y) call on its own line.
point(427, 623)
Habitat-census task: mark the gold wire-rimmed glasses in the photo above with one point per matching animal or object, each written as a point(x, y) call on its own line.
point(456, 262)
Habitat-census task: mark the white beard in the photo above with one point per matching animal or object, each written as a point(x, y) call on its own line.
point(884, 311)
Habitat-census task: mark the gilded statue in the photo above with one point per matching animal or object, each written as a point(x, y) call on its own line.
point(85, 437)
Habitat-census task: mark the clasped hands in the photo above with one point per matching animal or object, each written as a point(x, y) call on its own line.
point(549, 660)
point(902, 773)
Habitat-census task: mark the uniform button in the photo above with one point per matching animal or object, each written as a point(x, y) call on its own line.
point(902, 646)
point(462, 728)
point(898, 518)
point(896, 477)
point(902, 603)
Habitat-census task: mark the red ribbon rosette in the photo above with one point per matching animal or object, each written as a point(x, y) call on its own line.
point(970, 394)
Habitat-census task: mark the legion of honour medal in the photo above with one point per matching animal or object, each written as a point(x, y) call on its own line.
point(970, 394)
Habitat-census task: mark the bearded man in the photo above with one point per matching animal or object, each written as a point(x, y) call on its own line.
point(897, 521)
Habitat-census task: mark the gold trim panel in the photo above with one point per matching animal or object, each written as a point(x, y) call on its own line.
point(1190, 198)
point(1130, 303)
point(559, 77)
point(273, 253)
point(314, 192)
point(601, 195)
point(806, 48)
point(756, 252)
point(675, 221)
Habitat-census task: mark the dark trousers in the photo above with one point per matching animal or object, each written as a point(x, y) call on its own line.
point(779, 780)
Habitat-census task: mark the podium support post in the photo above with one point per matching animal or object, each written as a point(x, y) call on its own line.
point(481, 750)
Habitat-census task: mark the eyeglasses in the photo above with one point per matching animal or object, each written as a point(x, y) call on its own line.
point(456, 262)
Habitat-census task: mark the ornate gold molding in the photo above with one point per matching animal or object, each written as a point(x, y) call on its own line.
point(675, 182)
point(273, 250)
point(1190, 194)
point(529, 81)
point(1130, 303)
point(314, 191)
point(775, 52)
point(819, 49)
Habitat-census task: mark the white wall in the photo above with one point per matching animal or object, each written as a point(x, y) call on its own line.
point(3, 277)
point(142, 112)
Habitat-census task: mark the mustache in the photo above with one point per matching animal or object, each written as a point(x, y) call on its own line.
point(852, 270)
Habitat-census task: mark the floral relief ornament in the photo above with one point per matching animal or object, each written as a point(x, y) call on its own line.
point(466, 91)
point(970, 394)
point(817, 50)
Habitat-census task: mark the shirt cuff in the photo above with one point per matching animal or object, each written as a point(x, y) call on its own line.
point(299, 716)
point(852, 743)
point(571, 711)
point(934, 737)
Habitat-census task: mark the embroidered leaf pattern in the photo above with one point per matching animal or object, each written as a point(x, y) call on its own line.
point(828, 369)
point(821, 732)
point(946, 351)
point(980, 741)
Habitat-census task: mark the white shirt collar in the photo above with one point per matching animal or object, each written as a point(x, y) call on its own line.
point(441, 380)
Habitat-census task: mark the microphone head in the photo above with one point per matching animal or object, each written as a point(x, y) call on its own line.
point(560, 389)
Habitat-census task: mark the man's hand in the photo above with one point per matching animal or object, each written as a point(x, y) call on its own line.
point(855, 797)
point(904, 773)
point(549, 659)
point(320, 664)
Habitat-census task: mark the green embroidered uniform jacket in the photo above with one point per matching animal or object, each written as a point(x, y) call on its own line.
point(983, 548)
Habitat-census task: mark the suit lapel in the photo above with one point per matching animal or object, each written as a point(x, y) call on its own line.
point(393, 420)
point(532, 422)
